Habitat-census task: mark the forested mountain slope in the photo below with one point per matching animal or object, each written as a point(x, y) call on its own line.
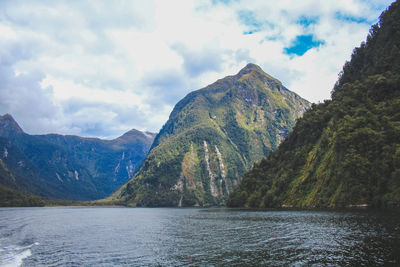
point(345, 151)
point(10, 196)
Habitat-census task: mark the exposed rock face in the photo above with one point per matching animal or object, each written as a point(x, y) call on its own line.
point(213, 187)
point(222, 169)
point(212, 137)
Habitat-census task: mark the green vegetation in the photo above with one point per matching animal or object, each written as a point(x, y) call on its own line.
point(12, 198)
point(213, 136)
point(9, 195)
point(69, 167)
point(345, 151)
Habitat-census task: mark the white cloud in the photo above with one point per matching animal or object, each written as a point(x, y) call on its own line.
point(100, 68)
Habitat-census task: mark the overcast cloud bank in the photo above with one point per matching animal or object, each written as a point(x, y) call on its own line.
point(101, 68)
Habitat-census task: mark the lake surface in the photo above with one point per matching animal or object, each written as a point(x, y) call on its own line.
point(94, 236)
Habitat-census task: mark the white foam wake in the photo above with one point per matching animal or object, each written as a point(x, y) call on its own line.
point(14, 255)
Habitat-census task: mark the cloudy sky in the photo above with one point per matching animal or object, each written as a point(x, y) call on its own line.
point(100, 68)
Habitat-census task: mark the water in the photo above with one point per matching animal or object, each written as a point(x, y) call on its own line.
point(83, 236)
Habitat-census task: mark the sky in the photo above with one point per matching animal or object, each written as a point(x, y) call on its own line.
point(100, 68)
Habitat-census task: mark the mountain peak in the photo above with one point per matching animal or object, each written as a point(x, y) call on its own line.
point(8, 125)
point(250, 68)
point(254, 72)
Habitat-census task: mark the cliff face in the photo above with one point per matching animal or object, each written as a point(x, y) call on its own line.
point(213, 136)
point(346, 151)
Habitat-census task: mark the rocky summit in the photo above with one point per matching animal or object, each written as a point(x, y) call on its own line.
point(213, 136)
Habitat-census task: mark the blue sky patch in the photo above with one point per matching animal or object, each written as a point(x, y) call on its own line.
point(248, 18)
point(226, 2)
point(307, 21)
point(349, 18)
point(302, 44)
point(248, 32)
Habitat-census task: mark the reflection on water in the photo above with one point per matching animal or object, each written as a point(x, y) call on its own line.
point(162, 236)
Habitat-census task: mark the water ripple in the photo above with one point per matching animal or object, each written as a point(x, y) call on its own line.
point(192, 237)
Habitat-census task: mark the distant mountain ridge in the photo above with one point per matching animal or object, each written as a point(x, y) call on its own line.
point(212, 137)
point(70, 167)
point(344, 152)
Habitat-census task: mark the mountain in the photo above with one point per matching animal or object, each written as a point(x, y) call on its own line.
point(212, 137)
point(10, 196)
point(344, 152)
point(70, 167)
point(9, 127)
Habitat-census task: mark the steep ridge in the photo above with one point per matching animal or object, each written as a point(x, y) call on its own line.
point(344, 152)
point(212, 137)
point(70, 167)
point(10, 196)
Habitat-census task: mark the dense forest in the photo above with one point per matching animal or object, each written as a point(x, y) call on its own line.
point(345, 151)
